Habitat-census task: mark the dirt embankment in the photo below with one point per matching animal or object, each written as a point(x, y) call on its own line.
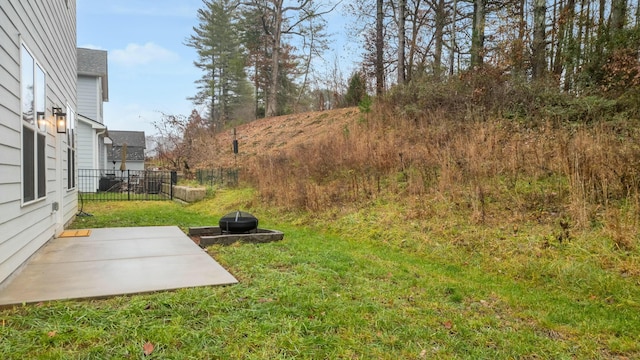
point(278, 133)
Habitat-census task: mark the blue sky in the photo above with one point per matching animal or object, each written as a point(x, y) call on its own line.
point(150, 69)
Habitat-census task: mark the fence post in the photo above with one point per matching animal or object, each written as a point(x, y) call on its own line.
point(174, 180)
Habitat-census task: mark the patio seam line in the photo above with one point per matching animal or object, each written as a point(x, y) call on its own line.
point(116, 259)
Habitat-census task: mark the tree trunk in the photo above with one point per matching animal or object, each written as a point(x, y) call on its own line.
point(272, 100)
point(452, 56)
point(579, 44)
point(477, 35)
point(618, 14)
point(602, 30)
point(212, 112)
point(412, 43)
point(517, 57)
point(438, 35)
point(256, 85)
point(379, 48)
point(539, 43)
point(567, 46)
point(638, 15)
point(401, 32)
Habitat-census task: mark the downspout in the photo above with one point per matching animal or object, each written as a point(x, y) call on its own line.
point(98, 142)
point(97, 158)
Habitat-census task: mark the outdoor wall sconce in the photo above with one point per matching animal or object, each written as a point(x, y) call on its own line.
point(61, 120)
point(42, 122)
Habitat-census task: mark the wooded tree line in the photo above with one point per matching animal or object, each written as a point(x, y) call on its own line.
point(256, 55)
point(255, 51)
point(581, 45)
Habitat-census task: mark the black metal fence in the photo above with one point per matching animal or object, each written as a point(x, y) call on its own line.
point(221, 177)
point(110, 185)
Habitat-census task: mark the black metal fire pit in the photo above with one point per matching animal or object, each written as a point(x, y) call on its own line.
point(238, 222)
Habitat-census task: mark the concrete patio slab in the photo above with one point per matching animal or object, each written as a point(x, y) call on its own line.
point(113, 261)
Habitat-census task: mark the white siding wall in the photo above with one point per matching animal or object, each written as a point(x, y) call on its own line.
point(48, 29)
point(102, 154)
point(89, 90)
point(88, 154)
point(86, 146)
point(129, 164)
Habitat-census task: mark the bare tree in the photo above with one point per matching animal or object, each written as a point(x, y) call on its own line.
point(280, 19)
point(315, 42)
point(179, 137)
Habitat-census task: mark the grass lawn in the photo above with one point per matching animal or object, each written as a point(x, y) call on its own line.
point(343, 288)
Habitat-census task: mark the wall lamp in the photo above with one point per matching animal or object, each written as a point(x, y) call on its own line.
point(61, 120)
point(41, 120)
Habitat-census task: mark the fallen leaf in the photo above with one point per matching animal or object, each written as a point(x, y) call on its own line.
point(148, 348)
point(423, 353)
point(448, 324)
point(52, 333)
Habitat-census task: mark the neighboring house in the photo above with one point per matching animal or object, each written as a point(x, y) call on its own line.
point(38, 194)
point(135, 146)
point(93, 91)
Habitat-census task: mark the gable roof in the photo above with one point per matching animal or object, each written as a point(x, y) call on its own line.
point(135, 141)
point(93, 62)
point(131, 138)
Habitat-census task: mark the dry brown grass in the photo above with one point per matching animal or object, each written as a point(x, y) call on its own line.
point(494, 170)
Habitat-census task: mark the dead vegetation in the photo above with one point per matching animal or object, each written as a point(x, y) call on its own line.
point(568, 175)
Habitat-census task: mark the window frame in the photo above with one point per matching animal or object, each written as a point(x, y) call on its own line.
point(33, 121)
point(72, 174)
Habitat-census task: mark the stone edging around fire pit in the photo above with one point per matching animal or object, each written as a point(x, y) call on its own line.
point(210, 235)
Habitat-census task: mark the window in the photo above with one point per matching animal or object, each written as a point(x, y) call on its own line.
point(71, 149)
point(34, 137)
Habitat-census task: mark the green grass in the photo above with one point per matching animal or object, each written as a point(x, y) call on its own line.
point(351, 285)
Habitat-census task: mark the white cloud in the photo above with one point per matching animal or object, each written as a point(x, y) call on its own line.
point(134, 55)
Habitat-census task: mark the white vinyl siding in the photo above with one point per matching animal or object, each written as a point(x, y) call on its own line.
point(85, 146)
point(90, 97)
point(48, 30)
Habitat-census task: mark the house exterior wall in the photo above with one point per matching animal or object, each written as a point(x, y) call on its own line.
point(48, 30)
point(90, 97)
point(86, 144)
point(91, 153)
point(130, 165)
point(102, 154)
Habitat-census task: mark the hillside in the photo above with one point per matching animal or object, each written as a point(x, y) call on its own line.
point(547, 205)
point(279, 133)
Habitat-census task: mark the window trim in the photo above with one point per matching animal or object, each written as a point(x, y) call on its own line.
point(37, 169)
point(72, 153)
